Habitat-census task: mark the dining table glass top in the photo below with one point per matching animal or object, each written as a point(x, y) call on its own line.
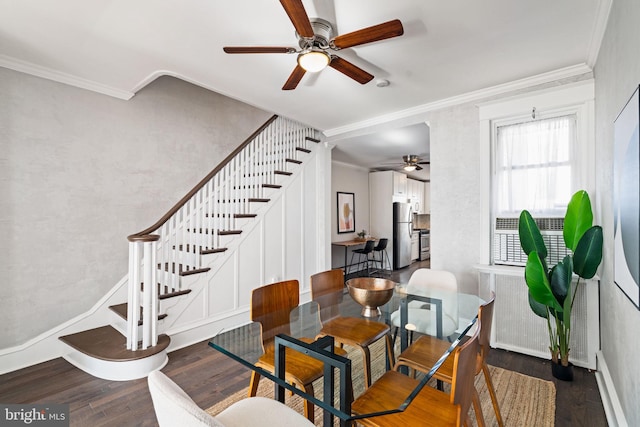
point(442, 313)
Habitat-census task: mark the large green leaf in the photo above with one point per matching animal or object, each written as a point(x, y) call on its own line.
point(530, 237)
point(539, 309)
point(588, 253)
point(535, 275)
point(566, 314)
point(560, 279)
point(578, 219)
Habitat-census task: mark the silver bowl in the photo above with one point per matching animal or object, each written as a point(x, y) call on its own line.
point(371, 293)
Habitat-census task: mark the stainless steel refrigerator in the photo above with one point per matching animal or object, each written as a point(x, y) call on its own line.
point(402, 228)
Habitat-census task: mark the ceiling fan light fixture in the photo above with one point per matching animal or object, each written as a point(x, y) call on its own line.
point(314, 60)
point(410, 168)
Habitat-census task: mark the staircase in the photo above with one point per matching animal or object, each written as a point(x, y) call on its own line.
point(167, 259)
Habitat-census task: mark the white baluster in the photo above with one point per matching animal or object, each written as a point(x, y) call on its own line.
point(133, 302)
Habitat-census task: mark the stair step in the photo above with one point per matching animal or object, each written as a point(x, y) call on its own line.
point(203, 250)
point(251, 186)
point(171, 268)
point(174, 294)
point(122, 310)
point(258, 200)
point(234, 215)
point(297, 162)
point(106, 343)
point(304, 150)
point(249, 199)
point(195, 271)
point(212, 251)
point(308, 138)
point(228, 232)
point(283, 173)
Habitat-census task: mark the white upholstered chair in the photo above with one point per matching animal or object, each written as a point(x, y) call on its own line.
point(175, 408)
point(434, 283)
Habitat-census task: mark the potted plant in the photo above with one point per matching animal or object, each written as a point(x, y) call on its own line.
point(552, 291)
point(362, 234)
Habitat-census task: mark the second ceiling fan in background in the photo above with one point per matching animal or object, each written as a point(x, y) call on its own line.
point(316, 40)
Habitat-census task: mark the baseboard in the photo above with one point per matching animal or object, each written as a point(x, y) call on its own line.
point(612, 407)
point(47, 346)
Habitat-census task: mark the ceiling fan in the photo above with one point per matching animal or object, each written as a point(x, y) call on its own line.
point(316, 39)
point(412, 162)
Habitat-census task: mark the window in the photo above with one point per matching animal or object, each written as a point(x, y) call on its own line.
point(534, 166)
point(520, 172)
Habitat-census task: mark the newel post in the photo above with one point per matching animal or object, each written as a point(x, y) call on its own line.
point(142, 286)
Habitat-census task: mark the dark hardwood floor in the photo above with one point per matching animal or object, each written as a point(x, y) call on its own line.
point(208, 377)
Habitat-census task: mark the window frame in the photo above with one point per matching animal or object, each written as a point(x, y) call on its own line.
point(574, 98)
point(550, 114)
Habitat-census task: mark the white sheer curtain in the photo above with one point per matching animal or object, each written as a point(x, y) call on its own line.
point(533, 166)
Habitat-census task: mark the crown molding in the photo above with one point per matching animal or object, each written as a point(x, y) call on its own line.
point(599, 28)
point(60, 77)
point(562, 73)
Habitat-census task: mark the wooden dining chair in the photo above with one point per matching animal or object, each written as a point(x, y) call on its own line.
point(327, 289)
point(430, 407)
point(271, 306)
point(423, 354)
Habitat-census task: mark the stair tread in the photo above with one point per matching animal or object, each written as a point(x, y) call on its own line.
point(174, 294)
point(212, 251)
point(122, 310)
point(106, 343)
point(171, 268)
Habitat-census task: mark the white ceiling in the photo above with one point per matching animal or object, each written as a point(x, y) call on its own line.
point(449, 48)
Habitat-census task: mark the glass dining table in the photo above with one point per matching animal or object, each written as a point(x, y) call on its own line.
point(409, 311)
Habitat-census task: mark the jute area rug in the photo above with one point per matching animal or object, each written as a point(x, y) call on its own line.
point(523, 400)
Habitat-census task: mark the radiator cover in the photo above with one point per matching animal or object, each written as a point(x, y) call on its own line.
point(517, 328)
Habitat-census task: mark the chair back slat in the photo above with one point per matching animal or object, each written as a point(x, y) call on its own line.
point(485, 317)
point(382, 244)
point(368, 247)
point(464, 365)
point(327, 290)
point(271, 305)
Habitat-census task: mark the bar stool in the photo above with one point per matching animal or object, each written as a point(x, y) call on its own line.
point(381, 248)
point(368, 248)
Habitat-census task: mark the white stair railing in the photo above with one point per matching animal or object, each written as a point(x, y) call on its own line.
point(172, 247)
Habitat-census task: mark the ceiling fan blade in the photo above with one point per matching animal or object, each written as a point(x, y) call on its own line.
point(294, 78)
point(350, 70)
point(375, 33)
point(424, 163)
point(298, 17)
point(418, 168)
point(258, 49)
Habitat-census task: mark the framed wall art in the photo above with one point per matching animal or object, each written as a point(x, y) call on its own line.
point(626, 202)
point(346, 213)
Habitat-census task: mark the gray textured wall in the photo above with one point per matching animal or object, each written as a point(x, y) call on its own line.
point(80, 171)
point(617, 74)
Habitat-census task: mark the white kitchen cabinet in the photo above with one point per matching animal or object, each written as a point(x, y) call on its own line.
point(415, 193)
point(415, 245)
point(399, 184)
point(426, 202)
